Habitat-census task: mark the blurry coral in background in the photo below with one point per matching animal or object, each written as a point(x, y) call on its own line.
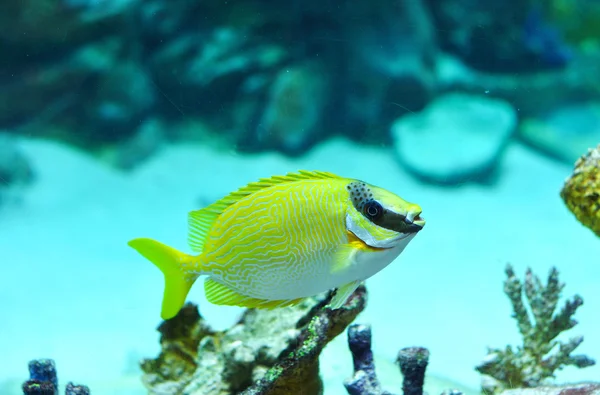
point(114, 76)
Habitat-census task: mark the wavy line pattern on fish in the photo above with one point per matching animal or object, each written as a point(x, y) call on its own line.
point(280, 239)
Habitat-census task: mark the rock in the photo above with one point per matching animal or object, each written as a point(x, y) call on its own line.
point(146, 141)
point(291, 121)
point(117, 102)
point(41, 30)
point(268, 352)
point(52, 89)
point(15, 170)
point(568, 389)
point(201, 72)
point(480, 40)
point(42, 72)
point(386, 64)
point(566, 132)
point(532, 93)
point(14, 166)
point(457, 138)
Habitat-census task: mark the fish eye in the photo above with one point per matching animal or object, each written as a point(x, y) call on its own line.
point(373, 210)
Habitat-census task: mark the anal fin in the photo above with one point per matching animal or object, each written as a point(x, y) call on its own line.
point(343, 293)
point(220, 294)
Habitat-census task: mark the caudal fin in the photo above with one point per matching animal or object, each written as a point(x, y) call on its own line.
point(170, 262)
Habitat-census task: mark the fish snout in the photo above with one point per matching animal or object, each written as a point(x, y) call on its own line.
point(414, 222)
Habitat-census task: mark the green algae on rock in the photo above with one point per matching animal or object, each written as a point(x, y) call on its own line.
point(268, 352)
point(581, 191)
point(531, 365)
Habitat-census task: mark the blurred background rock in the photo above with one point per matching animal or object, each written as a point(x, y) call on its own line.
point(122, 77)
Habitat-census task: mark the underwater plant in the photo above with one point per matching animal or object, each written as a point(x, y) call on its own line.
point(268, 352)
point(531, 364)
point(43, 380)
point(581, 191)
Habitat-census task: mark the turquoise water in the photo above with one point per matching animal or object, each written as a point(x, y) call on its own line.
point(113, 159)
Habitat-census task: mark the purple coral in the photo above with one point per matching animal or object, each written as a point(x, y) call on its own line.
point(413, 362)
point(364, 381)
point(43, 380)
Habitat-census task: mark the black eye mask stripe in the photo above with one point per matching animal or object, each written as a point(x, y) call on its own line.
point(363, 201)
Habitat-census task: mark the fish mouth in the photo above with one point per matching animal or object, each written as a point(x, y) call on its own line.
point(407, 223)
point(413, 223)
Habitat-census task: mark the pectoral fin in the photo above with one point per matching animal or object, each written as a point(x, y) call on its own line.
point(343, 293)
point(346, 253)
point(343, 258)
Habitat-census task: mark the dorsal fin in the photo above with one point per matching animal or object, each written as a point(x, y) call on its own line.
point(201, 221)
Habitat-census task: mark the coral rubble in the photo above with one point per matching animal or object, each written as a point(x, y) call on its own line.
point(531, 364)
point(267, 352)
point(581, 191)
point(43, 380)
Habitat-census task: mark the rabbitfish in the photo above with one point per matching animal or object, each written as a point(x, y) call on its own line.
point(281, 239)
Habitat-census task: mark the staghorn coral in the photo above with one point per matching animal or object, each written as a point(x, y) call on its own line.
point(43, 380)
point(531, 364)
point(268, 352)
point(581, 191)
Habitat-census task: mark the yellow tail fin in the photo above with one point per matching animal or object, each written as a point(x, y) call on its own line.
point(171, 263)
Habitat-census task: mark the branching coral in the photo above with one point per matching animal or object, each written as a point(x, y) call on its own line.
point(581, 192)
point(531, 364)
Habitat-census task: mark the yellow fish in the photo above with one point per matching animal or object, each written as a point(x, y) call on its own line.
point(281, 239)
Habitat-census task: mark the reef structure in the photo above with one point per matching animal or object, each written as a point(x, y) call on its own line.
point(581, 191)
point(533, 363)
point(43, 380)
point(267, 352)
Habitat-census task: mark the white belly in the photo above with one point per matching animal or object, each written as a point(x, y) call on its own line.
point(312, 278)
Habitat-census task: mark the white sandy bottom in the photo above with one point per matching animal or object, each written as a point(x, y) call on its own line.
point(72, 290)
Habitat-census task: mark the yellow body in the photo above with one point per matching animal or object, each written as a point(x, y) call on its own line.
point(282, 239)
